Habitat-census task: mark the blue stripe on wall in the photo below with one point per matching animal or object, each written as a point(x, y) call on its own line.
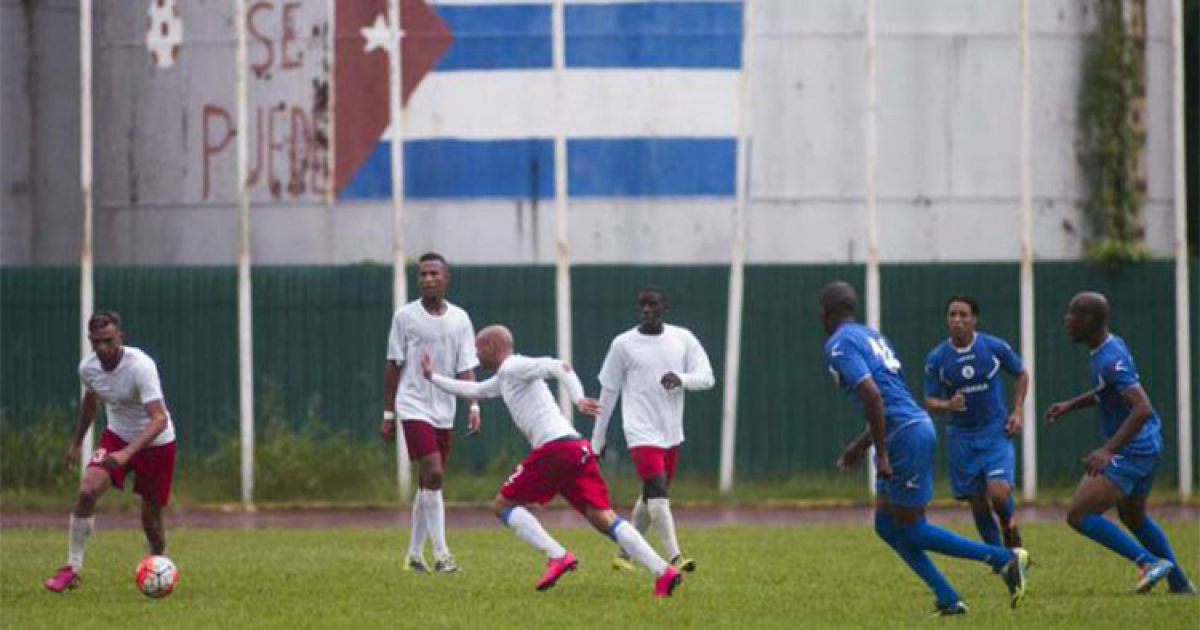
point(495, 37)
point(522, 169)
point(623, 35)
point(457, 169)
point(652, 167)
point(655, 35)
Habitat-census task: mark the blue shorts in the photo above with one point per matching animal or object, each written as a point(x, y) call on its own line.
point(974, 461)
point(911, 450)
point(1133, 474)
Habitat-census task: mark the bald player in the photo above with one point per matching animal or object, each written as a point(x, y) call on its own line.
point(865, 367)
point(562, 461)
point(1121, 472)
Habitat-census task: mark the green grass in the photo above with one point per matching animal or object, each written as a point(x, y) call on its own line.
point(811, 576)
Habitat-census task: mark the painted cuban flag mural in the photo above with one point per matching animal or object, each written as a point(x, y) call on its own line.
point(650, 99)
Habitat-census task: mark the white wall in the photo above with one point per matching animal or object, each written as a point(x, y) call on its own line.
point(948, 171)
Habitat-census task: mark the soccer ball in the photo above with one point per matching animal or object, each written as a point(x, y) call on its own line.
point(156, 576)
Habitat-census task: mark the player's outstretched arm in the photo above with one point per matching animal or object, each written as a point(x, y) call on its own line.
point(87, 412)
point(1061, 408)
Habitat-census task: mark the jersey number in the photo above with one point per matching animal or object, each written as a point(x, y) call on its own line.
point(884, 353)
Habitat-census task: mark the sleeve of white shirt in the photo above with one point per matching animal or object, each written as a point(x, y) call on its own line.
point(148, 384)
point(468, 389)
point(612, 371)
point(86, 385)
point(466, 359)
point(539, 369)
point(395, 349)
point(699, 373)
point(608, 403)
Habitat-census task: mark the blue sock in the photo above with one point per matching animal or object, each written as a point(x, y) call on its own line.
point(916, 559)
point(922, 535)
point(986, 525)
point(1105, 532)
point(1155, 540)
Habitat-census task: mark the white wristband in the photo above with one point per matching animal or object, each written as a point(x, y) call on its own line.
point(389, 415)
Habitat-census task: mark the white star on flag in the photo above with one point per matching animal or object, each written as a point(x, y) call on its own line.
point(378, 34)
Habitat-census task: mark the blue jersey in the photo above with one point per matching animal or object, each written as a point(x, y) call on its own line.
point(1113, 371)
point(855, 352)
point(974, 372)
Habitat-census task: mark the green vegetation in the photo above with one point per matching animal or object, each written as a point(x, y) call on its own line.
point(806, 576)
point(1110, 144)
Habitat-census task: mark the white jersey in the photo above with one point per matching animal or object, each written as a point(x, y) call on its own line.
point(634, 367)
point(450, 339)
point(521, 382)
point(125, 392)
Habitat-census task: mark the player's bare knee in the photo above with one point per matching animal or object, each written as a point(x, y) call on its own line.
point(655, 487)
point(432, 479)
point(1131, 516)
point(1075, 517)
point(602, 520)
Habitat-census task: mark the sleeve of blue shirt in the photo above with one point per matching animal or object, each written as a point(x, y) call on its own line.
point(845, 360)
point(934, 388)
point(1120, 373)
point(1009, 360)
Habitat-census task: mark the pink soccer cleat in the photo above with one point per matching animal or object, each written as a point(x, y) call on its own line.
point(65, 578)
point(555, 569)
point(666, 583)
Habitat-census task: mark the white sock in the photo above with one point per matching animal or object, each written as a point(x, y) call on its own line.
point(416, 544)
point(529, 529)
point(641, 516)
point(80, 529)
point(435, 522)
point(636, 547)
point(664, 525)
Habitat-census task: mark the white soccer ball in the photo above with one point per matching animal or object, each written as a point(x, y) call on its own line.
point(156, 576)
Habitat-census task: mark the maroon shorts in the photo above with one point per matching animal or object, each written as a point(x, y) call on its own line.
point(154, 467)
point(566, 467)
point(651, 461)
point(423, 439)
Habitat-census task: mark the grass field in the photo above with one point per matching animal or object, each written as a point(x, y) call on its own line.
point(804, 576)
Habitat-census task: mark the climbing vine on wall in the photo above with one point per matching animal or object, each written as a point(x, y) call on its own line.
point(1111, 136)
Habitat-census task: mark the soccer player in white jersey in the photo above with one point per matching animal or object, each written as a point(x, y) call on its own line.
point(139, 438)
point(562, 461)
point(431, 325)
point(649, 367)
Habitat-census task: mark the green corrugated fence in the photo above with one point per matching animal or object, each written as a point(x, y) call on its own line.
point(320, 336)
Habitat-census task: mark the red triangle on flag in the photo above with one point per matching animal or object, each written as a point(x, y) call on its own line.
point(361, 77)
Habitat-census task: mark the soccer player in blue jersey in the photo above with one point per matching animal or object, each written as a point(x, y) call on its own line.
point(864, 366)
point(962, 379)
point(1120, 472)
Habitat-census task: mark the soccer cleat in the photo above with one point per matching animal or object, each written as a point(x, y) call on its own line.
point(665, 584)
point(555, 569)
point(416, 565)
point(950, 610)
point(683, 564)
point(1153, 573)
point(445, 565)
point(621, 562)
point(1187, 589)
point(1013, 573)
point(64, 579)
